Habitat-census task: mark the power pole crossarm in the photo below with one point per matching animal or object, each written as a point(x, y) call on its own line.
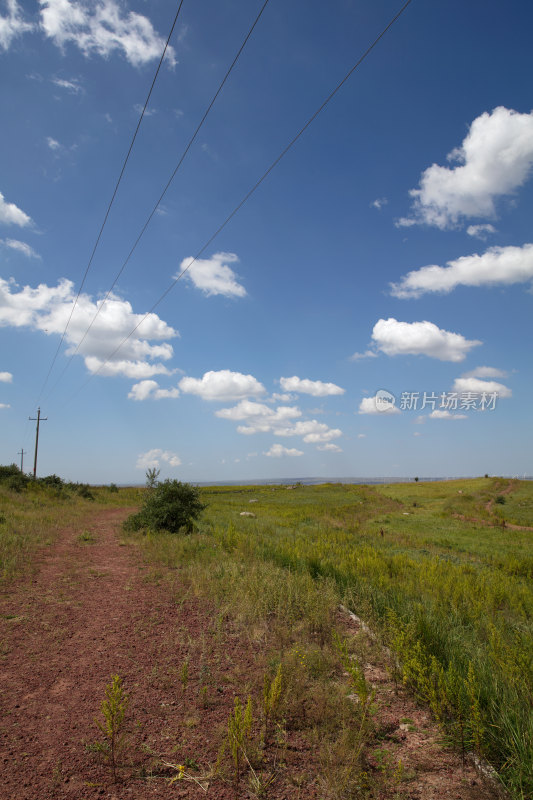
point(38, 419)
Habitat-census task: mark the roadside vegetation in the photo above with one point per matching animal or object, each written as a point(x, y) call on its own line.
point(429, 566)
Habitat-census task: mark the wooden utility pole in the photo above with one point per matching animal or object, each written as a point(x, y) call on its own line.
point(39, 419)
point(21, 454)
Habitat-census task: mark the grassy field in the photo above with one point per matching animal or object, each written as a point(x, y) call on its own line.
point(440, 571)
point(434, 572)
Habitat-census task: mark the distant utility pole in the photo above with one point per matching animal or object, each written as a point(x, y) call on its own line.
point(21, 454)
point(39, 419)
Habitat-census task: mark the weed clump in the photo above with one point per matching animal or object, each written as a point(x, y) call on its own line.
point(171, 506)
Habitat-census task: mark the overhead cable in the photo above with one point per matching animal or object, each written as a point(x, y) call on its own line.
point(111, 201)
point(248, 194)
point(163, 193)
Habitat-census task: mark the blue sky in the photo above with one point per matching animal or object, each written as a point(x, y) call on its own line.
point(367, 312)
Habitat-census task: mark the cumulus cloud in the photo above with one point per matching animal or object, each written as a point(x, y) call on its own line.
point(374, 405)
point(305, 386)
point(10, 214)
point(6, 377)
point(222, 385)
point(20, 247)
point(420, 338)
point(496, 266)
point(439, 413)
point(12, 25)
point(260, 418)
point(278, 451)
point(152, 459)
point(150, 389)
point(102, 28)
point(312, 431)
point(366, 354)
point(480, 231)
point(5, 405)
point(330, 448)
point(494, 160)
point(479, 386)
point(53, 144)
point(379, 203)
point(282, 398)
point(485, 372)
point(213, 275)
point(47, 309)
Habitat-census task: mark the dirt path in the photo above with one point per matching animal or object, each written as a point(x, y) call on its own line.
point(88, 613)
point(92, 610)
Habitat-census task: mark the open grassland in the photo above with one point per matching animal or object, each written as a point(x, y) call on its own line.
point(431, 568)
point(440, 571)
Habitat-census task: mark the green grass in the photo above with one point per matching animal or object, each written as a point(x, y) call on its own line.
point(428, 565)
point(452, 596)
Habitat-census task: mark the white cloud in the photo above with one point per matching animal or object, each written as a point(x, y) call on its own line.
point(379, 203)
point(5, 405)
point(372, 405)
point(278, 451)
point(485, 372)
point(420, 338)
point(260, 418)
point(53, 144)
point(497, 265)
point(10, 214)
point(444, 414)
point(101, 28)
point(6, 377)
point(305, 386)
point(494, 160)
point(417, 433)
point(366, 354)
point(480, 231)
point(222, 385)
point(213, 275)
point(20, 247)
point(150, 389)
point(331, 448)
point(47, 309)
point(73, 86)
point(312, 431)
point(282, 398)
point(153, 458)
point(148, 112)
point(479, 386)
point(13, 25)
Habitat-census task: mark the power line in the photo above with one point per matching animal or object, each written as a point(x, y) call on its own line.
point(112, 200)
point(163, 193)
point(249, 193)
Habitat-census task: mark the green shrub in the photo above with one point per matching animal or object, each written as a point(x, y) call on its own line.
point(500, 499)
point(169, 506)
point(112, 488)
point(52, 480)
point(8, 471)
point(84, 491)
point(17, 482)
